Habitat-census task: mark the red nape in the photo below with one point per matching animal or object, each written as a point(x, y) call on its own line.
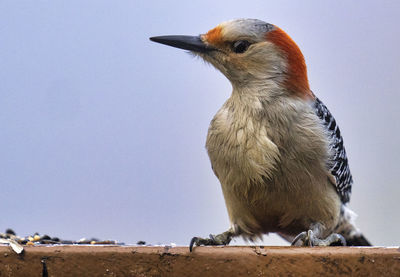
point(297, 80)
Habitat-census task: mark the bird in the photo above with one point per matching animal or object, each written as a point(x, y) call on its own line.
point(274, 145)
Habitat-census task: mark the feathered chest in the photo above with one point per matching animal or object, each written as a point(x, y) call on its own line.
point(239, 146)
point(245, 145)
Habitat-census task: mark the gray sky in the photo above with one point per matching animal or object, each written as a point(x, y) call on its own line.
point(103, 132)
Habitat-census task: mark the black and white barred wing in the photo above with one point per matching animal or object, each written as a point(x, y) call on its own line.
point(339, 166)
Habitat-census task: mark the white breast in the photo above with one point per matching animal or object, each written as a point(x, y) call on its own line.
point(239, 146)
point(271, 161)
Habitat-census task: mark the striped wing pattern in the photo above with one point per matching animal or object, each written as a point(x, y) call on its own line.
point(339, 166)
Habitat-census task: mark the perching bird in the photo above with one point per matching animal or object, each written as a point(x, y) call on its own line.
point(274, 146)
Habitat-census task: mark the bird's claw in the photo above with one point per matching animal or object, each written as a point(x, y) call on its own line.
point(221, 239)
point(197, 241)
point(309, 239)
point(303, 238)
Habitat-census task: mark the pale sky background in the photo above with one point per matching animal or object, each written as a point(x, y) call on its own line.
point(103, 132)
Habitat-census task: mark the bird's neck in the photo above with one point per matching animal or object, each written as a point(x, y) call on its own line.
point(266, 90)
point(260, 100)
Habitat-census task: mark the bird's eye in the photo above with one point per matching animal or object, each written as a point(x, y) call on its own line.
point(240, 46)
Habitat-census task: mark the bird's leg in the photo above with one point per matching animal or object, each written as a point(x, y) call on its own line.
point(220, 239)
point(312, 238)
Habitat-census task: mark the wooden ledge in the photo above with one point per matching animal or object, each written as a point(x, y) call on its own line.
point(74, 260)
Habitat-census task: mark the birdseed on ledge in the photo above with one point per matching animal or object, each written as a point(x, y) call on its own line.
point(37, 239)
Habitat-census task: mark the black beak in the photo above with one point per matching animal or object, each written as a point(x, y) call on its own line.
point(192, 43)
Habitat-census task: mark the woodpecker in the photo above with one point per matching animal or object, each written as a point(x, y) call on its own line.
point(274, 146)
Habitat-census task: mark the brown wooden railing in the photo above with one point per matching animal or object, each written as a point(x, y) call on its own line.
point(74, 260)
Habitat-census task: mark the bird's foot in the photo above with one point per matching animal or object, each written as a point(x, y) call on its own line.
point(221, 239)
point(309, 239)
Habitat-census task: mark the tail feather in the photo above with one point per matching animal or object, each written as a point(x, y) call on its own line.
point(358, 240)
point(348, 229)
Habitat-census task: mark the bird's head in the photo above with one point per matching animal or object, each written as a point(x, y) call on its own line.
point(249, 52)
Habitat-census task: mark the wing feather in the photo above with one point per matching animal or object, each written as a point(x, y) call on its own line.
point(339, 166)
